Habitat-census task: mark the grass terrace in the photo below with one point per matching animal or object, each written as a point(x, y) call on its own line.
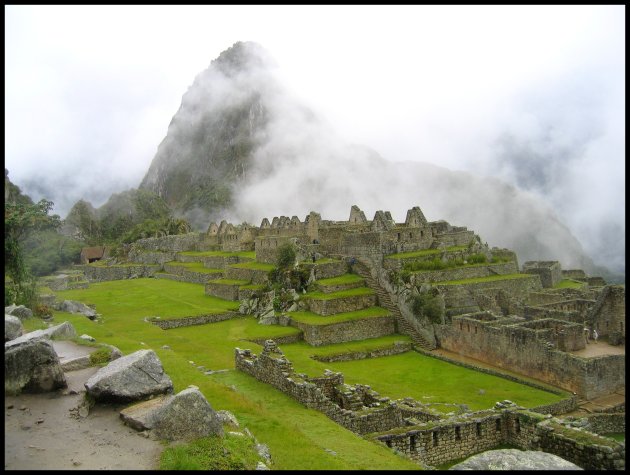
point(194, 267)
point(425, 252)
point(246, 254)
point(569, 284)
point(230, 282)
point(342, 279)
point(337, 295)
point(314, 319)
point(254, 266)
point(478, 280)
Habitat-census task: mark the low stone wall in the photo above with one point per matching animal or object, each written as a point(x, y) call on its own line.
point(223, 291)
point(191, 276)
point(329, 289)
point(460, 273)
point(607, 423)
point(106, 273)
point(142, 256)
point(397, 348)
point(327, 270)
point(353, 330)
point(255, 276)
point(221, 262)
point(175, 243)
point(281, 340)
point(518, 287)
point(195, 320)
point(341, 305)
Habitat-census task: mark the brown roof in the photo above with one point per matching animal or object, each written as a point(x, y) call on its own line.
point(93, 252)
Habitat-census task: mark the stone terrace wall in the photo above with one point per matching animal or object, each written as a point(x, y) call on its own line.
point(118, 272)
point(223, 291)
point(463, 273)
point(527, 351)
point(196, 320)
point(519, 287)
point(607, 423)
point(317, 335)
point(341, 304)
point(397, 348)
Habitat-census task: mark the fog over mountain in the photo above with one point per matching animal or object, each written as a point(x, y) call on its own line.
point(362, 106)
point(239, 131)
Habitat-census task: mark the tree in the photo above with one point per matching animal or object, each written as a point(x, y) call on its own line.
point(20, 220)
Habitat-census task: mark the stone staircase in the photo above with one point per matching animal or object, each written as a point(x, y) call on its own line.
point(385, 301)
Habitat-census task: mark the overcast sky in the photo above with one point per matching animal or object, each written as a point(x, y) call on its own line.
point(534, 95)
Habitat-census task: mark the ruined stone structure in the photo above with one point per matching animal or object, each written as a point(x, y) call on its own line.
point(423, 435)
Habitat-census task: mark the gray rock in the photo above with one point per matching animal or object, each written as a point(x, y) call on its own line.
point(19, 311)
point(87, 337)
point(32, 366)
point(513, 459)
point(115, 354)
point(78, 307)
point(12, 327)
point(226, 417)
point(269, 319)
point(133, 377)
point(184, 416)
point(261, 466)
point(187, 415)
point(62, 331)
point(263, 451)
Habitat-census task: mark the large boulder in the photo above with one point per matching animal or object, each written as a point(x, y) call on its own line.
point(31, 366)
point(78, 307)
point(19, 311)
point(184, 416)
point(63, 331)
point(12, 327)
point(513, 459)
point(133, 377)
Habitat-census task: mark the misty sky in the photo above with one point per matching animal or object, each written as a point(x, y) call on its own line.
point(534, 95)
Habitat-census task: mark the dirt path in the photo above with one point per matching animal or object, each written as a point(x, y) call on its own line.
point(43, 433)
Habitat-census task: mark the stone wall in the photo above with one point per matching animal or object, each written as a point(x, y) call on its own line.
point(397, 348)
point(550, 272)
point(317, 335)
point(255, 276)
point(518, 287)
point(118, 272)
point(223, 291)
point(608, 314)
point(460, 273)
point(607, 423)
point(175, 243)
point(196, 320)
point(531, 351)
point(327, 270)
point(194, 277)
point(352, 303)
point(142, 256)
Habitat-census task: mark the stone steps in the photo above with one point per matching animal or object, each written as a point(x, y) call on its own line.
point(385, 301)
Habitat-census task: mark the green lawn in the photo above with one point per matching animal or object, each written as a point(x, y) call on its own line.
point(254, 265)
point(297, 437)
point(569, 284)
point(314, 319)
point(337, 295)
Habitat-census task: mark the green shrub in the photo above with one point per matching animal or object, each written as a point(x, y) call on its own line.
point(426, 305)
point(101, 356)
point(231, 452)
point(286, 256)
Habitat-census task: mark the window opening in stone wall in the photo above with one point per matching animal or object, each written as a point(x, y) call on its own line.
point(399, 236)
point(412, 442)
point(478, 428)
point(498, 425)
point(388, 443)
point(435, 438)
point(458, 433)
point(475, 330)
point(460, 326)
point(517, 425)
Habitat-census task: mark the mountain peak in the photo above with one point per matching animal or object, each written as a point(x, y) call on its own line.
point(242, 56)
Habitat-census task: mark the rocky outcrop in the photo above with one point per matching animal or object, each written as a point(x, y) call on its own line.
point(12, 327)
point(31, 366)
point(77, 307)
point(184, 416)
point(63, 331)
point(19, 311)
point(513, 459)
point(133, 377)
